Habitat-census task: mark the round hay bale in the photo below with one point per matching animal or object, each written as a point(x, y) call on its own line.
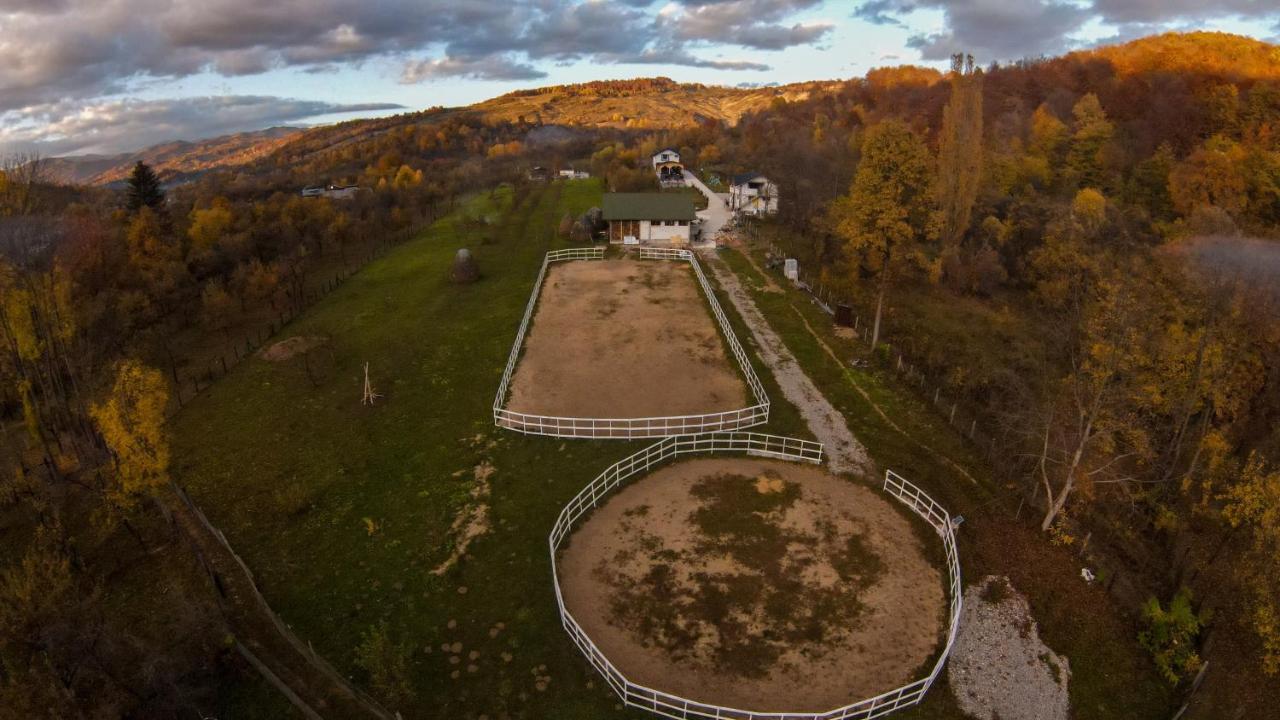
point(464, 270)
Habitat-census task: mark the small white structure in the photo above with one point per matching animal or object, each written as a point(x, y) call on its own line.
point(649, 218)
point(753, 194)
point(574, 175)
point(791, 269)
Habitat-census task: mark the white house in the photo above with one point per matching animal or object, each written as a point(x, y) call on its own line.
point(574, 174)
point(645, 218)
point(753, 194)
point(333, 192)
point(666, 163)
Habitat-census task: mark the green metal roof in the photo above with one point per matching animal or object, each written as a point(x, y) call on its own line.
point(648, 206)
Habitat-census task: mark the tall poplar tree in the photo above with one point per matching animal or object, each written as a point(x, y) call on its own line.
point(960, 151)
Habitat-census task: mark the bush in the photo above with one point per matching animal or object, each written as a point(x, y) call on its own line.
point(387, 662)
point(1171, 636)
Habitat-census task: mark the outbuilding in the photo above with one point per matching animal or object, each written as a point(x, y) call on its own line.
point(753, 194)
point(649, 218)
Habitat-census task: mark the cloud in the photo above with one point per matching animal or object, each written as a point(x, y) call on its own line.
point(749, 23)
point(987, 29)
point(124, 125)
point(999, 30)
point(492, 67)
point(1119, 12)
point(56, 50)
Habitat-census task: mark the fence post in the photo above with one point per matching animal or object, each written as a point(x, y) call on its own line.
point(935, 394)
point(952, 420)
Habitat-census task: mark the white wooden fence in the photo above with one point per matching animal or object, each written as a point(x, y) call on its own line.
point(628, 428)
point(674, 706)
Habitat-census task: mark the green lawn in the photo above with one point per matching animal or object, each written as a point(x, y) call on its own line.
point(298, 473)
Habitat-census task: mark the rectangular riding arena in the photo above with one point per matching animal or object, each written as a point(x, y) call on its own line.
point(625, 348)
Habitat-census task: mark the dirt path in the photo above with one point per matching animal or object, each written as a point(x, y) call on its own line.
point(844, 452)
point(685, 595)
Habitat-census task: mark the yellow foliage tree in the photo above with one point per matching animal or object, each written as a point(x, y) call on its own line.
point(1254, 502)
point(132, 423)
point(210, 225)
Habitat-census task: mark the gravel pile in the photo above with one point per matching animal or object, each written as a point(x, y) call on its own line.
point(999, 668)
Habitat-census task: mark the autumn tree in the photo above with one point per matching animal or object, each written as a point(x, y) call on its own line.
point(1212, 176)
point(143, 189)
point(883, 218)
point(960, 152)
point(131, 420)
point(1254, 503)
point(1091, 136)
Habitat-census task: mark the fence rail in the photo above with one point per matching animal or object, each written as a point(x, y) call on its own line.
point(630, 428)
point(679, 708)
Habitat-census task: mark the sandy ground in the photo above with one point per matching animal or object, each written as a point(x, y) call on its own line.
point(844, 452)
point(624, 339)
point(899, 628)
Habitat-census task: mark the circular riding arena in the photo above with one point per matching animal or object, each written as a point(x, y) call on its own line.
point(750, 582)
point(626, 348)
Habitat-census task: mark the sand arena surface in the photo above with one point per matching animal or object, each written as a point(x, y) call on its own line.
point(624, 339)
point(756, 584)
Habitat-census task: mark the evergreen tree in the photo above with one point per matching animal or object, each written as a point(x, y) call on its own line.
point(144, 189)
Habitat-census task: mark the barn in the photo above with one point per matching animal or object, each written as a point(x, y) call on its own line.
point(649, 218)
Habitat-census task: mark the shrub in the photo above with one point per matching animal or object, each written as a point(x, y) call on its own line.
point(1171, 635)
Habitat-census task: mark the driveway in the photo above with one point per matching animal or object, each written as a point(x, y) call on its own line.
point(717, 214)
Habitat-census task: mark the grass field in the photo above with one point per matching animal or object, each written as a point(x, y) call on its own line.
point(343, 510)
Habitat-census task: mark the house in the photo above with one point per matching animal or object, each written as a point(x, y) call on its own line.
point(753, 194)
point(341, 192)
point(333, 192)
point(644, 218)
point(537, 173)
point(574, 175)
point(666, 163)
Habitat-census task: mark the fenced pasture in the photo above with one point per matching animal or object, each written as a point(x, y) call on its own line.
point(666, 704)
point(576, 383)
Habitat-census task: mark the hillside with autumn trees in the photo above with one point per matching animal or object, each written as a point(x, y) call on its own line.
point(1083, 249)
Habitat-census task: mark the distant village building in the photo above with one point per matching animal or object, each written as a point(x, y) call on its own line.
point(574, 174)
point(649, 218)
point(753, 194)
point(537, 173)
point(666, 163)
point(333, 192)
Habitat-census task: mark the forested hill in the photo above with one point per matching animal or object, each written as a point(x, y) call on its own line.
point(175, 161)
point(653, 103)
point(641, 103)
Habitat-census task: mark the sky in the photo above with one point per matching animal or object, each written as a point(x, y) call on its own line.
point(111, 76)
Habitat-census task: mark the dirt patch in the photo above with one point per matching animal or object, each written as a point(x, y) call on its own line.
point(292, 347)
point(756, 584)
point(999, 667)
point(473, 521)
point(624, 339)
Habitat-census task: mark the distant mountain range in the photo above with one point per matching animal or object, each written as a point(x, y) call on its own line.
point(644, 103)
point(176, 161)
